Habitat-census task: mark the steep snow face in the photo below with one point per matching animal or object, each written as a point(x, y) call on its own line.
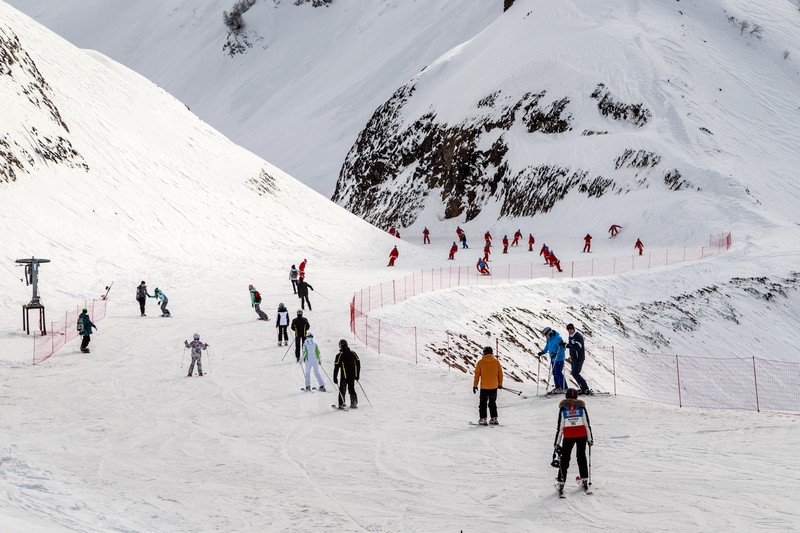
point(297, 80)
point(691, 105)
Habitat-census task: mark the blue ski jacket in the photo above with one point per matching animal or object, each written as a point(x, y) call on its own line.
point(555, 347)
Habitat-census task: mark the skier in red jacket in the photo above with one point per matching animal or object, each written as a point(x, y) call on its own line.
point(545, 252)
point(453, 250)
point(487, 250)
point(639, 246)
point(488, 238)
point(531, 242)
point(614, 229)
point(302, 268)
point(425, 238)
point(482, 267)
point(505, 244)
point(554, 262)
point(392, 256)
point(517, 237)
point(392, 231)
point(459, 231)
point(587, 243)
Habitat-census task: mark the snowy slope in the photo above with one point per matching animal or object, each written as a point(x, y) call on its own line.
point(309, 79)
point(121, 440)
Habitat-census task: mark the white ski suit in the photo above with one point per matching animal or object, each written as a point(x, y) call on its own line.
point(312, 360)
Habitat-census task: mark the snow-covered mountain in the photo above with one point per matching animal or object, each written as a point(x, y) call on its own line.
point(305, 79)
point(638, 109)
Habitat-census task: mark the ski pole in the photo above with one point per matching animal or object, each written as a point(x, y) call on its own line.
point(365, 393)
point(289, 348)
point(589, 461)
point(538, 374)
point(317, 292)
point(512, 391)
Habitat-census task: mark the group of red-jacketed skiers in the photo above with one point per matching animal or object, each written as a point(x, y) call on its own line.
point(482, 266)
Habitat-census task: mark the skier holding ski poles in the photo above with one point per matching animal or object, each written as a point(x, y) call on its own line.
point(349, 364)
point(555, 347)
point(574, 430)
point(282, 323)
point(300, 326)
point(312, 360)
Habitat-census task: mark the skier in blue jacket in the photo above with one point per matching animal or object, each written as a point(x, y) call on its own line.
point(555, 347)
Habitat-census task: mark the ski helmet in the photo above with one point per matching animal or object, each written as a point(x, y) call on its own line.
point(487, 350)
point(309, 335)
point(299, 312)
point(342, 344)
point(572, 394)
point(546, 331)
point(196, 336)
point(281, 306)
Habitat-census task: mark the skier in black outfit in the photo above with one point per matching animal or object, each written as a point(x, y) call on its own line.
point(348, 362)
point(577, 355)
point(141, 296)
point(302, 292)
point(574, 429)
point(300, 326)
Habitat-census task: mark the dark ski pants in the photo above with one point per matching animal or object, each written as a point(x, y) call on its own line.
point(488, 396)
point(85, 342)
point(283, 335)
point(294, 285)
point(164, 310)
point(577, 365)
point(303, 301)
point(580, 455)
point(196, 359)
point(141, 304)
point(347, 385)
point(298, 343)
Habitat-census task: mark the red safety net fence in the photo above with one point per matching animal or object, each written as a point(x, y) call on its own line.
point(65, 329)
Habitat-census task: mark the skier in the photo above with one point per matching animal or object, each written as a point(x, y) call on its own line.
point(487, 237)
point(517, 237)
point(482, 267)
point(302, 292)
point(392, 231)
point(554, 262)
point(393, 256)
point(490, 374)
point(282, 323)
point(545, 251)
point(531, 242)
point(453, 250)
point(464, 240)
point(459, 232)
point(574, 430)
point(302, 272)
point(255, 301)
point(141, 296)
point(425, 236)
point(162, 301)
point(577, 355)
point(555, 347)
point(614, 229)
point(397, 234)
point(300, 327)
point(587, 243)
point(505, 244)
point(85, 326)
point(487, 251)
point(197, 350)
point(293, 275)
point(639, 246)
point(350, 365)
point(312, 360)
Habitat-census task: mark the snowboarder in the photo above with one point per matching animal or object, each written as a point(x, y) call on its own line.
point(482, 267)
point(639, 246)
point(300, 326)
point(255, 302)
point(312, 360)
point(587, 243)
point(554, 262)
point(517, 237)
point(197, 350)
point(577, 355)
point(574, 431)
point(490, 375)
point(393, 256)
point(282, 323)
point(349, 364)
point(459, 232)
point(302, 292)
point(293, 275)
point(464, 240)
point(505, 244)
point(614, 229)
point(302, 272)
point(453, 250)
point(85, 326)
point(162, 301)
point(425, 236)
point(487, 251)
point(555, 347)
point(531, 242)
point(142, 295)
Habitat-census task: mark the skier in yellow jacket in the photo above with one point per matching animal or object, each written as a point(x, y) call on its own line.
point(490, 375)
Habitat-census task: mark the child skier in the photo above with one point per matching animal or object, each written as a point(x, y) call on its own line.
point(312, 360)
point(574, 430)
point(197, 348)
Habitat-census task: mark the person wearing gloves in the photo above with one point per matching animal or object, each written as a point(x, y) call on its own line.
point(555, 347)
point(349, 364)
point(573, 430)
point(255, 302)
point(312, 360)
point(300, 326)
point(294, 274)
point(197, 350)
point(282, 323)
point(577, 355)
point(489, 373)
point(162, 302)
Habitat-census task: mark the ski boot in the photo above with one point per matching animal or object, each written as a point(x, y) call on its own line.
point(493, 421)
point(483, 422)
point(353, 405)
point(322, 388)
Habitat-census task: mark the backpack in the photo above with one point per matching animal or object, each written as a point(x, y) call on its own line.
point(257, 297)
point(80, 324)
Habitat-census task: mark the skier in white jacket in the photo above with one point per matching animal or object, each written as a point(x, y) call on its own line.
point(312, 360)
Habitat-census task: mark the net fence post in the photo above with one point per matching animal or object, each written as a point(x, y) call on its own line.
point(678, 370)
point(614, 369)
point(755, 381)
point(379, 336)
point(416, 353)
point(394, 293)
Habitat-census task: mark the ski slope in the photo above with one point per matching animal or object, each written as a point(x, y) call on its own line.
point(121, 440)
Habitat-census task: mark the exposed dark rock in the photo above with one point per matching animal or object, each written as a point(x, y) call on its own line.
point(637, 159)
point(264, 184)
point(635, 114)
